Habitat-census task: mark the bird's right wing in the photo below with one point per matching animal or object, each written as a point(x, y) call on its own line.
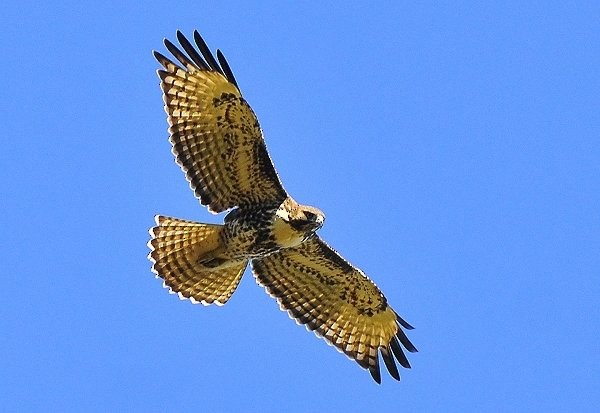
point(216, 137)
point(320, 289)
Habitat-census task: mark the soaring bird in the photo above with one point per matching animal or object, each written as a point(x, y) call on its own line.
point(219, 145)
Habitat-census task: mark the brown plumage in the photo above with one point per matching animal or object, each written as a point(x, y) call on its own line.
point(218, 143)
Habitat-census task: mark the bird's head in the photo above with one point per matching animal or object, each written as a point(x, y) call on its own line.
point(302, 218)
point(312, 217)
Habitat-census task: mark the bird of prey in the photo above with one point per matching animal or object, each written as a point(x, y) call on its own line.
point(219, 145)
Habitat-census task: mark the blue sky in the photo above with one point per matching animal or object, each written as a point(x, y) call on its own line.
point(454, 146)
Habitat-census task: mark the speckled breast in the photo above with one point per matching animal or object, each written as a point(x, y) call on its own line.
point(249, 233)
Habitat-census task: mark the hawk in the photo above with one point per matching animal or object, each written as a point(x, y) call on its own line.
point(219, 145)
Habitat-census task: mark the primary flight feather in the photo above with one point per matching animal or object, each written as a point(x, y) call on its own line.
point(218, 143)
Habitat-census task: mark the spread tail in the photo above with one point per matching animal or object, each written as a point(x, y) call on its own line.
point(180, 251)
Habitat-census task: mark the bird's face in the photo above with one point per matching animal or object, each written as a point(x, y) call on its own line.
point(312, 217)
point(302, 218)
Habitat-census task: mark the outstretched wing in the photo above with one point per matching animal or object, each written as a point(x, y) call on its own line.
point(216, 137)
point(337, 301)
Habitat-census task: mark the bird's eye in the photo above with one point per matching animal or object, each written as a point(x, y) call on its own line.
point(310, 216)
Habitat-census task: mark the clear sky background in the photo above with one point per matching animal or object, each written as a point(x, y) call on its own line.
point(454, 146)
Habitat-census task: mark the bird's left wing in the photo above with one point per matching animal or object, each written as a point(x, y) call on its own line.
point(216, 137)
point(337, 301)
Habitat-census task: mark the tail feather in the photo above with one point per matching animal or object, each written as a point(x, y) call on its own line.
point(177, 249)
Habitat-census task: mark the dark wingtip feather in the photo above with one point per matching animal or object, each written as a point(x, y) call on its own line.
point(162, 59)
point(397, 350)
point(171, 47)
point(388, 359)
point(405, 341)
point(375, 373)
point(162, 74)
point(226, 68)
point(210, 59)
point(403, 322)
point(203, 60)
point(191, 51)
point(185, 61)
